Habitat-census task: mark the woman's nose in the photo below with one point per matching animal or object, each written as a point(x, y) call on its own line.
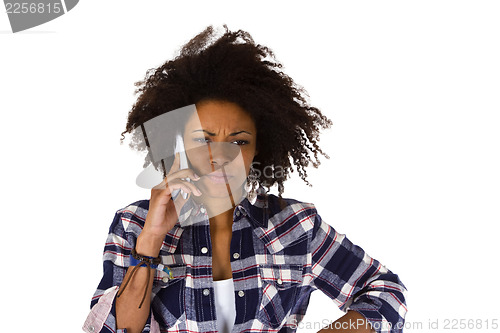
point(222, 153)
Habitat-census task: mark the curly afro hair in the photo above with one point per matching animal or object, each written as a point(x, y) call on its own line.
point(233, 68)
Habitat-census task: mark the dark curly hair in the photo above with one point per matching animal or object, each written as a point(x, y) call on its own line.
point(233, 68)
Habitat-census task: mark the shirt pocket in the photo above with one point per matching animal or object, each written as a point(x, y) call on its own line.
point(280, 287)
point(168, 304)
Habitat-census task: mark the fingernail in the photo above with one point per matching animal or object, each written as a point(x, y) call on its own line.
point(195, 176)
point(184, 195)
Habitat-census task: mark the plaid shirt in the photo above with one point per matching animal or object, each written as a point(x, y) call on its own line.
point(278, 257)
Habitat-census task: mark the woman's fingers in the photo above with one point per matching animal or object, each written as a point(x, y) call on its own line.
point(163, 211)
point(177, 184)
point(179, 201)
point(184, 173)
point(182, 176)
point(186, 186)
point(179, 180)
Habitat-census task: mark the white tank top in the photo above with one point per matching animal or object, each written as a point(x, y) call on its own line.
point(224, 305)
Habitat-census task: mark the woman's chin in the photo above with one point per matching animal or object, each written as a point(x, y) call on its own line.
point(221, 190)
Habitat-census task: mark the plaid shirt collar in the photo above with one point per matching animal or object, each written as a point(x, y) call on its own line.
point(193, 213)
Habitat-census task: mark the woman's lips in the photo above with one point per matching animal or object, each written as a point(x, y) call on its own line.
point(218, 177)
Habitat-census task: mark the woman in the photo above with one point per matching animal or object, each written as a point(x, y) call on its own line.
point(226, 255)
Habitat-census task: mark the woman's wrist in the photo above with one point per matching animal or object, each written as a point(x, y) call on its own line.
point(148, 244)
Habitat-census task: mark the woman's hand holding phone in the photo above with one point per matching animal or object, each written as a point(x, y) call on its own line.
point(163, 211)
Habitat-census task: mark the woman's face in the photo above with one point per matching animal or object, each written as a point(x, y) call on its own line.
point(220, 144)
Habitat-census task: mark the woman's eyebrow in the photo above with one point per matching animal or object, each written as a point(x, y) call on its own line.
point(213, 134)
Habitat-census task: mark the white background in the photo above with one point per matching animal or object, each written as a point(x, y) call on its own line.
point(411, 87)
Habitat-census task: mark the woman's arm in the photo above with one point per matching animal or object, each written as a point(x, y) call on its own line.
point(160, 219)
point(352, 322)
point(355, 281)
point(128, 313)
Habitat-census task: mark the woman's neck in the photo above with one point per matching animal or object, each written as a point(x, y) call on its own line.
point(222, 222)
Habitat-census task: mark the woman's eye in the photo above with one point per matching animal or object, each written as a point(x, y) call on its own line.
point(201, 140)
point(207, 140)
point(241, 142)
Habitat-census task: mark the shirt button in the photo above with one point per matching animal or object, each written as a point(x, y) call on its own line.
point(206, 292)
point(236, 255)
point(279, 281)
point(165, 278)
point(203, 210)
point(91, 328)
point(241, 293)
point(204, 250)
point(237, 213)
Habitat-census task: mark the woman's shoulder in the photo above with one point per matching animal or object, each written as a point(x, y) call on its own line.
point(285, 208)
point(131, 216)
point(137, 208)
point(286, 221)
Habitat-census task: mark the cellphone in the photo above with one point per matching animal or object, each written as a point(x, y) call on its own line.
point(179, 148)
point(150, 176)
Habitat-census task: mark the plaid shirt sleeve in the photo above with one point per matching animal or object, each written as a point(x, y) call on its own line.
point(123, 232)
point(355, 281)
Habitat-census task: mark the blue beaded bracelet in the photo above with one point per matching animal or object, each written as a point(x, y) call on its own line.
point(144, 261)
point(135, 262)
